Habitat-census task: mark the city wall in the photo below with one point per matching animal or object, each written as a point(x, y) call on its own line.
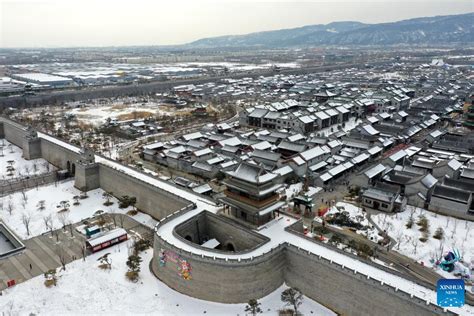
point(343, 290)
point(150, 199)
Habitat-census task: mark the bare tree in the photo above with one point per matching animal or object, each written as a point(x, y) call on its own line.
point(107, 196)
point(399, 238)
point(447, 221)
point(292, 297)
point(414, 243)
point(27, 170)
point(34, 166)
point(46, 166)
point(114, 219)
point(61, 253)
point(454, 228)
point(71, 229)
point(41, 205)
point(121, 220)
point(10, 207)
point(83, 251)
point(25, 219)
point(63, 219)
point(48, 223)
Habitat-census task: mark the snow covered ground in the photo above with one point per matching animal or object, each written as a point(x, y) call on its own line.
point(52, 195)
point(97, 114)
point(85, 289)
point(356, 214)
point(22, 167)
point(232, 67)
point(458, 234)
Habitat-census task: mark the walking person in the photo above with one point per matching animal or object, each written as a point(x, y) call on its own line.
point(31, 267)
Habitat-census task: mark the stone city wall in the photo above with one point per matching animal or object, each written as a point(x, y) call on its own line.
point(150, 199)
point(343, 290)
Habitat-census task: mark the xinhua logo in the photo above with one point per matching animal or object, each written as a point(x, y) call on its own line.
point(450, 292)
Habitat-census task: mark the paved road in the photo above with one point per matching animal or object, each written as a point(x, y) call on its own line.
point(42, 253)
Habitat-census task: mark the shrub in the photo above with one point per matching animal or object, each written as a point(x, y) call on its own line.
point(132, 276)
point(409, 223)
point(439, 233)
point(320, 230)
point(335, 239)
point(423, 223)
point(141, 245)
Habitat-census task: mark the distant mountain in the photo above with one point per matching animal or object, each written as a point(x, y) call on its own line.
point(427, 30)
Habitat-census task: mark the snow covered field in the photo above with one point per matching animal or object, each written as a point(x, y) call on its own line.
point(232, 67)
point(22, 168)
point(85, 289)
point(97, 114)
point(457, 234)
point(52, 196)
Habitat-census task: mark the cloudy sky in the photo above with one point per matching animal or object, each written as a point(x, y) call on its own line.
point(66, 23)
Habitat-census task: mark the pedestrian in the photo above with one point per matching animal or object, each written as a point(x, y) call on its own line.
point(31, 267)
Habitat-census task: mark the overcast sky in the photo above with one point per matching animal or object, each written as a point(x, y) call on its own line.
point(65, 23)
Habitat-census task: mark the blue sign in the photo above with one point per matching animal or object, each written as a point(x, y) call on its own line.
point(450, 292)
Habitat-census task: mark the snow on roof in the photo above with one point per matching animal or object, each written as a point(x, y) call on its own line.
point(312, 153)
point(398, 155)
point(233, 141)
point(154, 145)
point(202, 152)
point(318, 166)
point(334, 143)
point(360, 158)
point(412, 150)
point(331, 112)
point(372, 172)
point(115, 233)
point(306, 119)
point(258, 113)
point(195, 135)
point(429, 181)
point(374, 150)
point(370, 130)
point(271, 208)
point(262, 145)
point(337, 170)
point(283, 170)
point(454, 164)
point(296, 137)
point(321, 115)
point(211, 243)
point(342, 109)
point(436, 133)
point(43, 78)
point(298, 160)
point(251, 173)
point(372, 119)
point(202, 188)
point(325, 177)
